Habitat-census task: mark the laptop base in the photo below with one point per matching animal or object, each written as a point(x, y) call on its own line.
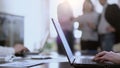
point(96, 66)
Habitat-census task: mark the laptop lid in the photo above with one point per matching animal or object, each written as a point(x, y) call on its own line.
point(68, 51)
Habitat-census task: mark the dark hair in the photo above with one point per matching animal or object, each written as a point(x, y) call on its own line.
point(112, 15)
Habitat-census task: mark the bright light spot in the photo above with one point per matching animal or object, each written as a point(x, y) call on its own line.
point(112, 1)
point(77, 6)
point(77, 33)
point(76, 25)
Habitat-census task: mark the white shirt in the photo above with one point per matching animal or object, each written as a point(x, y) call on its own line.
point(6, 50)
point(102, 28)
point(88, 34)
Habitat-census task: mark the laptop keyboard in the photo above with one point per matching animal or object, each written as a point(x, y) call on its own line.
point(84, 60)
point(87, 61)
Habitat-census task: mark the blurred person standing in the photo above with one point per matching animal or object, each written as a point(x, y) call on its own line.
point(88, 23)
point(65, 18)
point(112, 15)
point(106, 31)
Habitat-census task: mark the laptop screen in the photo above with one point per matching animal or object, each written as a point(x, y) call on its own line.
point(64, 41)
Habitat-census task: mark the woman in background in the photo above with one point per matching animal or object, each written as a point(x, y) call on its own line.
point(88, 22)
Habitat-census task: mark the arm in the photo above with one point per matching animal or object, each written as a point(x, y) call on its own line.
point(6, 50)
point(18, 48)
point(91, 25)
point(107, 56)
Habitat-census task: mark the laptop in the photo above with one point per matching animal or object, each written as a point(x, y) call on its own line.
point(39, 49)
point(79, 61)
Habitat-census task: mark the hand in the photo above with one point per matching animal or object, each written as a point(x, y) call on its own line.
point(111, 29)
point(20, 48)
point(107, 56)
point(81, 25)
point(91, 25)
point(72, 18)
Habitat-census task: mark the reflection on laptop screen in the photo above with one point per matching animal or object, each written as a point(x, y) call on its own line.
point(64, 41)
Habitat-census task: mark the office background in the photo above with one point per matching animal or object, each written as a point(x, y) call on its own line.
point(37, 14)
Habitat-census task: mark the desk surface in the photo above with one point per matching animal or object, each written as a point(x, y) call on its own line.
point(48, 65)
point(54, 65)
point(60, 62)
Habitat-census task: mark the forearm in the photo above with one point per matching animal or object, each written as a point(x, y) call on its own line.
point(115, 58)
point(6, 50)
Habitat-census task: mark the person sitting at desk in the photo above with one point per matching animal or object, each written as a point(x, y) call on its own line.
point(17, 49)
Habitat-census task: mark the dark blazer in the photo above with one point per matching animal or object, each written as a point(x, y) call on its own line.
point(112, 15)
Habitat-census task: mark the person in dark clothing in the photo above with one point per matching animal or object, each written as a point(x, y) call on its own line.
point(65, 18)
point(112, 15)
point(105, 30)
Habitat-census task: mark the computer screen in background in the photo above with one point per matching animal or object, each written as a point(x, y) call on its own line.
point(11, 29)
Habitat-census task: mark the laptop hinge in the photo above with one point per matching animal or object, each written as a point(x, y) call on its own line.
point(73, 60)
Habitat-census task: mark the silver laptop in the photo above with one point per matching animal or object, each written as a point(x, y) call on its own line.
point(41, 45)
point(80, 61)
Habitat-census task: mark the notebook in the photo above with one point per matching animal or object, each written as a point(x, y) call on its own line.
point(79, 61)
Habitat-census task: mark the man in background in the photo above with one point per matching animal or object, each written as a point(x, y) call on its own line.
point(65, 18)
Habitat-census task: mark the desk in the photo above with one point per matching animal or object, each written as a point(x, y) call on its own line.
point(56, 62)
point(60, 62)
point(49, 65)
point(54, 65)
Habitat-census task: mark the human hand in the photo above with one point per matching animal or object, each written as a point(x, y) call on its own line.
point(81, 25)
point(20, 48)
point(91, 25)
point(107, 56)
point(72, 18)
point(111, 29)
